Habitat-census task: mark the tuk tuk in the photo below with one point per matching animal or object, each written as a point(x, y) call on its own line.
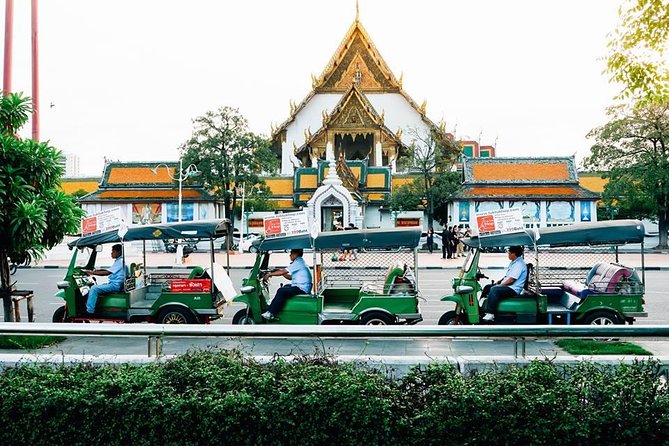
point(574, 277)
point(166, 298)
point(360, 277)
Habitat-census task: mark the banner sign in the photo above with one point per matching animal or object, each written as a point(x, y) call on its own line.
point(501, 221)
point(402, 222)
point(190, 286)
point(286, 225)
point(105, 221)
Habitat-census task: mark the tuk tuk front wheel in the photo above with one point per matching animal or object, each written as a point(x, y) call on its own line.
point(60, 315)
point(602, 317)
point(453, 318)
point(243, 317)
point(377, 318)
point(175, 315)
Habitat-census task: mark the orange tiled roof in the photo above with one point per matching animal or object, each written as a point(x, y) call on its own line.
point(70, 187)
point(152, 193)
point(140, 175)
point(526, 171)
point(593, 183)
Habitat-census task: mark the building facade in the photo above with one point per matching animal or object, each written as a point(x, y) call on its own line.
point(546, 189)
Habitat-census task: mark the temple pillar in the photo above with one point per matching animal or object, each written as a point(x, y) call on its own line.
point(378, 154)
point(329, 151)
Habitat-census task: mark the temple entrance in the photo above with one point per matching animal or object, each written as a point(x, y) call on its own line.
point(358, 148)
point(331, 218)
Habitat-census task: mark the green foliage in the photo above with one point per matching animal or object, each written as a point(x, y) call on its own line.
point(223, 398)
point(227, 154)
point(595, 347)
point(79, 193)
point(637, 50)
point(407, 197)
point(432, 154)
point(35, 214)
point(632, 150)
point(28, 342)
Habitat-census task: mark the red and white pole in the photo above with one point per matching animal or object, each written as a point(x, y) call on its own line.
point(9, 31)
point(35, 73)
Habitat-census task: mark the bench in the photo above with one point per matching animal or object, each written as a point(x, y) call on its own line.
point(19, 295)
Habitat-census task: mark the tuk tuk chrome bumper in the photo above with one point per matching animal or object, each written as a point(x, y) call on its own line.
point(635, 314)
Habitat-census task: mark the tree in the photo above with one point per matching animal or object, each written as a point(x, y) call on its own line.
point(409, 197)
point(227, 154)
point(35, 214)
point(633, 151)
point(432, 153)
point(637, 50)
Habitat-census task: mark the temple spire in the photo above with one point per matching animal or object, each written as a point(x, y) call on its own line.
point(357, 11)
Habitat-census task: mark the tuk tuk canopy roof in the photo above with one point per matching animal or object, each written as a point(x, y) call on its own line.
point(615, 232)
point(208, 229)
point(356, 238)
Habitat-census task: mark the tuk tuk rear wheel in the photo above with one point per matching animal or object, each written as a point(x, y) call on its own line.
point(175, 315)
point(450, 318)
point(243, 317)
point(377, 318)
point(602, 317)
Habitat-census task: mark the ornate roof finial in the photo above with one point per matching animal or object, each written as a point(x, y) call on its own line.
point(401, 79)
point(357, 11)
point(423, 106)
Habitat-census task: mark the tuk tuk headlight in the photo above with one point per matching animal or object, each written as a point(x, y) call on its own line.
point(464, 289)
point(248, 289)
point(63, 285)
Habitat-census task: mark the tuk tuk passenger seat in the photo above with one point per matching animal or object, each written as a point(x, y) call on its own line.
point(602, 278)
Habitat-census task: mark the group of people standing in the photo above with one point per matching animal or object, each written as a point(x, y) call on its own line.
point(451, 238)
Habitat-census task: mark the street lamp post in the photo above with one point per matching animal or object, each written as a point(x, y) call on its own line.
point(190, 171)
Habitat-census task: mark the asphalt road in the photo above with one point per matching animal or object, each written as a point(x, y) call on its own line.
point(433, 284)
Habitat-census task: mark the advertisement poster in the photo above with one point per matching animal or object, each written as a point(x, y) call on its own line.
point(562, 211)
point(146, 213)
point(501, 221)
point(463, 212)
point(107, 220)
point(286, 225)
point(173, 212)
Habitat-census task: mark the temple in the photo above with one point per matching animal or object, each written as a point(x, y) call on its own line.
point(358, 119)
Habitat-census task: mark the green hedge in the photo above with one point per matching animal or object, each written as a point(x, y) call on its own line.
point(223, 398)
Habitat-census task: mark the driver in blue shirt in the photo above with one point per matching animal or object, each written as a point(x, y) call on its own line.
point(511, 284)
point(113, 285)
point(300, 283)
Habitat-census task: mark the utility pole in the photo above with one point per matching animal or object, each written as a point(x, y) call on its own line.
point(9, 31)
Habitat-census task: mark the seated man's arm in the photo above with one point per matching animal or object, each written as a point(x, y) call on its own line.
point(97, 272)
point(277, 272)
point(508, 281)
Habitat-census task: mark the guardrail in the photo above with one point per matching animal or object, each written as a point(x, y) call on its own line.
point(155, 332)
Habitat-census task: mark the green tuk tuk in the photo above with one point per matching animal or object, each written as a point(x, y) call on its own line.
point(574, 277)
point(172, 298)
point(360, 277)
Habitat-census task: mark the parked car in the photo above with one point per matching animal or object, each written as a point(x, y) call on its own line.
point(246, 243)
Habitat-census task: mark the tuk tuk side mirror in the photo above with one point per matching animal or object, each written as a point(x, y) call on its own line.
point(98, 248)
point(63, 285)
point(464, 289)
point(248, 289)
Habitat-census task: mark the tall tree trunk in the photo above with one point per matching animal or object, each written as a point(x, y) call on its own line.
point(5, 287)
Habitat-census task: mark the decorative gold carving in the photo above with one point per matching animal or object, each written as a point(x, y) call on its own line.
point(358, 72)
point(398, 133)
point(347, 176)
point(401, 81)
point(423, 106)
point(383, 116)
point(292, 107)
point(314, 81)
point(295, 148)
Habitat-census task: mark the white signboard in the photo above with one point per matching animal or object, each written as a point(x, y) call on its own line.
point(105, 221)
point(286, 225)
point(500, 221)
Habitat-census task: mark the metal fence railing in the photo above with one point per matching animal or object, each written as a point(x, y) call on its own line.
point(156, 333)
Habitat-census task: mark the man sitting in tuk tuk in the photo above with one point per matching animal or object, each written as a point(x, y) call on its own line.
point(300, 282)
point(114, 284)
point(510, 285)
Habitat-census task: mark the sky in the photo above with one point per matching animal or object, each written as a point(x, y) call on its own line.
point(124, 79)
